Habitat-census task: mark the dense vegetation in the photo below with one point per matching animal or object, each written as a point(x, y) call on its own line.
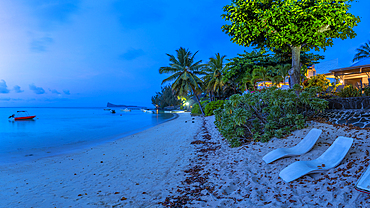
point(214, 105)
point(286, 26)
point(282, 34)
point(263, 115)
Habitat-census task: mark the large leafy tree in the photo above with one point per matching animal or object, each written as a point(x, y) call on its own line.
point(289, 25)
point(214, 79)
point(185, 71)
point(362, 52)
point(240, 68)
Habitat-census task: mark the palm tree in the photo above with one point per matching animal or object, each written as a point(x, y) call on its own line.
point(262, 74)
point(247, 79)
point(362, 52)
point(214, 78)
point(184, 73)
point(276, 80)
point(283, 70)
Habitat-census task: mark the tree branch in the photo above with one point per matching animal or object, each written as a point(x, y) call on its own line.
point(324, 28)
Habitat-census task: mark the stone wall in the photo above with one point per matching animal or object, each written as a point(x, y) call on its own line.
point(349, 103)
point(360, 118)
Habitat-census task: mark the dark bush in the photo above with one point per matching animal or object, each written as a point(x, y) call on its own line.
point(266, 114)
point(350, 91)
point(210, 107)
point(195, 110)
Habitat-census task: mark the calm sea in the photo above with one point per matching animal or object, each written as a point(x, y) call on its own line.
point(60, 130)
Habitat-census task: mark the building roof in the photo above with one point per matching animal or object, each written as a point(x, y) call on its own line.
point(362, 64)
point(326, 66)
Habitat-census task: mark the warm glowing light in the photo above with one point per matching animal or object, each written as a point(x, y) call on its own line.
point(187, 103)
point(341, 81)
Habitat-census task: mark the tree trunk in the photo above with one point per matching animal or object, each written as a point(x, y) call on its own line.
point(295, 71)
point(210, 96)
point(196, 96)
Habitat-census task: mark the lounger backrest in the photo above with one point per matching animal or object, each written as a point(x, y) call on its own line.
point(308, 141)
point(336, 152)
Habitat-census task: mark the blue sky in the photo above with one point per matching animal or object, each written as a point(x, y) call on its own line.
point(57, 53)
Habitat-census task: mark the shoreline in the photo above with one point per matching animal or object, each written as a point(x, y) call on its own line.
point(20, 157)
point(180, 163)
point(132, 171)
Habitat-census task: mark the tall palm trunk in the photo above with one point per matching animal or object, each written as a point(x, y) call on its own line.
point(196, 96)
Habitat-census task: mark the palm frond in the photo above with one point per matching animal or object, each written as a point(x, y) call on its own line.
point(362, 52)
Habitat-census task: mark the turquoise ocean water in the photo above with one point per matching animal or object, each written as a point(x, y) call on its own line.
point(60, 130)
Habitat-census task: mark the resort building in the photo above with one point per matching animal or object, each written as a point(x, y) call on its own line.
point(357, 75)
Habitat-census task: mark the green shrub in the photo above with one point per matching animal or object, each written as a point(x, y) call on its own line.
point(367, 91)
point(196, 110)
point(263, 115)
point(210, 107)
point(350, 91)
point(319, 81)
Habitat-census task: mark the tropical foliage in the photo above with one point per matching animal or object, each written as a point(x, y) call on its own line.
point(213, 80)
point(289, 26)
point(195, 110)
point(319, 81)
point(210, 107)
point(367, 90)
point(241, 68)
point(350, 91)
point(265, 114)
point(185, 71)
point(362, 52)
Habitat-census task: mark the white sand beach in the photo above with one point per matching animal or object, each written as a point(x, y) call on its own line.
point(238, 177)
point(135, 171)
point(160, 165)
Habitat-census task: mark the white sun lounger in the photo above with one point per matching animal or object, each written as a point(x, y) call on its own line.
point(329, 159)
point(302, 147)
point(363, 184)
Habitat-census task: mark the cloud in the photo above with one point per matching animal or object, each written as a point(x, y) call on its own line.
point(40, 44)
point(66, 92)
point(5, 99)
point(17, 89)
point(3, 87)
point(54, 91)
point(132, 54)
point(134, 14)
point(37, 90)
point(53, 12)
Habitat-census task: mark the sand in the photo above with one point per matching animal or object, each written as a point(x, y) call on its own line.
point(238, 177)
point(188, 164)
point(135, 171)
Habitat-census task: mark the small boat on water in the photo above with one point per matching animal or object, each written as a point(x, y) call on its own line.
point(126, 110)
point(21, 115)
point(107, 109)
point(113, 111)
